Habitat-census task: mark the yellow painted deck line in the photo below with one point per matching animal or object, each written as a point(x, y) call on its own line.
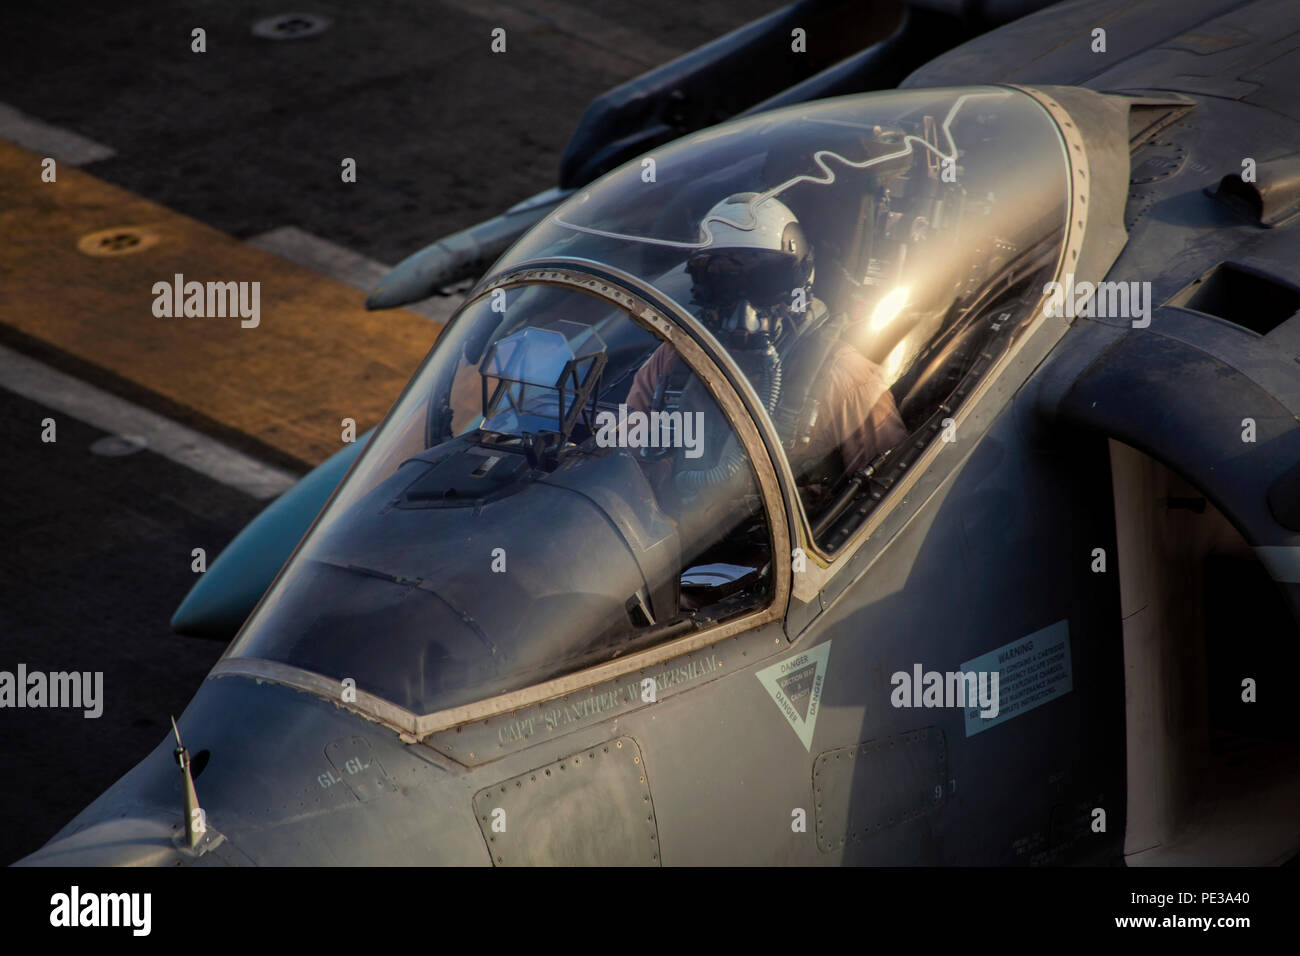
point(280, 389)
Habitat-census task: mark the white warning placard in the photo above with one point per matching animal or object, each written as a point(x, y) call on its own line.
point(1031, 672)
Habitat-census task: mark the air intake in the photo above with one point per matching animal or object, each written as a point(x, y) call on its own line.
point(1242, 296)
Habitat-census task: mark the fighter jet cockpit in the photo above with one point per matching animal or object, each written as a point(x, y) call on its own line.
point(518, 516)
point(565, 480)
point(861, 261)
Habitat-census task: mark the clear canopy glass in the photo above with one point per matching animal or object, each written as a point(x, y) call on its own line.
point(916, 217)
point(523, 511)
point(556, 487)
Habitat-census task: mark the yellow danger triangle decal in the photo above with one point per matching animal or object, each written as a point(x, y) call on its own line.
point(796, 686)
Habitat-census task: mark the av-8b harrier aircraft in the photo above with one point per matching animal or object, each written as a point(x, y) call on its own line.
point(897, 477)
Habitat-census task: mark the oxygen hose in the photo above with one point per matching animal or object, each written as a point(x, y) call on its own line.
point(692, 482)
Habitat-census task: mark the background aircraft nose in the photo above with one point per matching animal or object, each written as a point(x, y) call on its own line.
point(227, 592)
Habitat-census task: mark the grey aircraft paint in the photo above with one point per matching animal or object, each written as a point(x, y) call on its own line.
point(778, 743)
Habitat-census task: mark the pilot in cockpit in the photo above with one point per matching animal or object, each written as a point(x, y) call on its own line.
point(752, 288)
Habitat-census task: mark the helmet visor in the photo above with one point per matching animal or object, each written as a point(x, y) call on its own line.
point(723, 277)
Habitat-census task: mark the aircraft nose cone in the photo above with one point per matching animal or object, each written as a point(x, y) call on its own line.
point(125, 841)
point(282, 777)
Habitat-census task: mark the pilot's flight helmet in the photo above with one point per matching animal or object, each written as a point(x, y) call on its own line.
point(750, 275)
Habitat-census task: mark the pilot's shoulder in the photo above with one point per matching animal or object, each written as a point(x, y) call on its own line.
point(658, 363)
